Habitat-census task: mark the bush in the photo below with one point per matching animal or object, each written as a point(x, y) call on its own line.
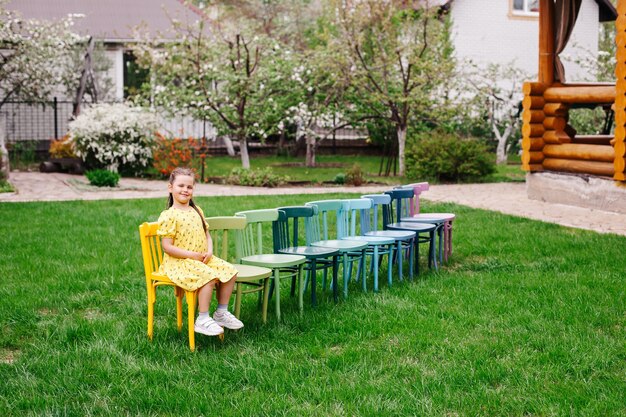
point(263, 177)
point(169, 154)
point(102, 178)
point(355, 176)
point(445, 157)
point(114, 136)
point(340, 178)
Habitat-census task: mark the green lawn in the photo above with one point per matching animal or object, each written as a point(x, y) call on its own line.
point(331, 165)
point(527, 319)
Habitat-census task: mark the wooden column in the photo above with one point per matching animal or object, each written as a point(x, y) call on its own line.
point(620, 95)
point(533, 127)
point(546, 41)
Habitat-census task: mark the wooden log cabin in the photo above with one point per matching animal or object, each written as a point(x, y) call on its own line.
point(549, 143)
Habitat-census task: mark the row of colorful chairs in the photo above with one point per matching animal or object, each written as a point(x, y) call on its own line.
point(335, 231)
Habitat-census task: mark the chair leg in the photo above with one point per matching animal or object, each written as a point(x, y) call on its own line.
point(179, 307)
point(277, 287)
point(399, 258)
point(364, 270)
point(266, 297)
point(345, 278)
point(375, 263)
point(313, 282)
point(191, 318)
point(414, 246)
point(238, 295)
point(389, 264)
point(335, 278)
point(300, 290)
point(151, 300)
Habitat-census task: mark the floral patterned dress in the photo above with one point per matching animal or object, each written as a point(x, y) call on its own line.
point(184, 227)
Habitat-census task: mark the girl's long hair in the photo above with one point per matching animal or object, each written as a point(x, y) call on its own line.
point(170, 200)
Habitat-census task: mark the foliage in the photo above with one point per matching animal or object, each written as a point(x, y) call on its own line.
point(340, 178)
point(22, 154)
point(260, 177)
point(394, 57)
point(587, 121)
point(62, 148)
point(355, 176)
point(114, 136)
point(169, 154)
point(445, 157)
point(5, 186)
point(102, 178)
point(33, 55)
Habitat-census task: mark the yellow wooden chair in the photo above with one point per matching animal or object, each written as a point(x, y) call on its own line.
point(152, 258)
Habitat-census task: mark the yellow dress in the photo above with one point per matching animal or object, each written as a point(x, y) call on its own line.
point(185, 228)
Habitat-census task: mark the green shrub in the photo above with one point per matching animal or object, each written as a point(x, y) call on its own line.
point(102, 178)
point(446, 157)
point(340, 178)
point(355, 175)
point(260, 177)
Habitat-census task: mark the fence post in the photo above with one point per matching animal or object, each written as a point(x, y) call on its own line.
point(56, 118)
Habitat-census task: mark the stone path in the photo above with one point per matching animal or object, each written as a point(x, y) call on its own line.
point(508, 198)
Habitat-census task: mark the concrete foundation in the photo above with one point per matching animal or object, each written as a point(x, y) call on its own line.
point(577, 190)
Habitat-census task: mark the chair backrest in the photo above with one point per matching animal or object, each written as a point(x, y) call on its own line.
point(220, 228)
point(327, 211)
point(357, 207)
point(418, 187)
point(379, 201)
point(285, 235)
point(251, 237)
point(151, 250)
point(401, 199)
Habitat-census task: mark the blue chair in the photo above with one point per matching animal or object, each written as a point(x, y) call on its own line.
point(287, 240)
point(398, 196)
point(317, 234)
point(376, 245)
point(404, 239)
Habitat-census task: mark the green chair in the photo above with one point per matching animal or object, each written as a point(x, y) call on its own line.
point(250, 248)
point(377, 246)
point(287, 240)
point(317, 234)
point(255, 279)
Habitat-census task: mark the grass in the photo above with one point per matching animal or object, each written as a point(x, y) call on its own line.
point(329, 166)
point(527, 319)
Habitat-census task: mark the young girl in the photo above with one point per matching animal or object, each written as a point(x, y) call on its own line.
point(189, 260)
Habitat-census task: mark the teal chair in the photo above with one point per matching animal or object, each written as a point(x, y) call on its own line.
point(250, 248)
point(381, 207)
point(287, 240)
point(398, 211)
point(317, 234)
point(376, 246)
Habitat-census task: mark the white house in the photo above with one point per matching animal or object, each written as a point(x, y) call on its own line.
point(507, 31)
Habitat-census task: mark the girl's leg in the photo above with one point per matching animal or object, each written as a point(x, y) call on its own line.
point(204, 297)
point(225, 289)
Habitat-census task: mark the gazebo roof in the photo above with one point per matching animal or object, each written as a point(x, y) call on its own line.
point(111, 20)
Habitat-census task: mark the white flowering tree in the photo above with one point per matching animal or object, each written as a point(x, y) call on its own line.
point(113, 136)
point(31, 55)
point(394, 56)
point(498, 89)
point(235, 79)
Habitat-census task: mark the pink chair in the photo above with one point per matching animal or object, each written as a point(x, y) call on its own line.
point(415, 215)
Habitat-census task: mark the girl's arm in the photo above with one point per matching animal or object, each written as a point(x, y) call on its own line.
point(176, 252)
point(209, 254)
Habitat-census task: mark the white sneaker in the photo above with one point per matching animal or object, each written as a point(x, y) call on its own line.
point(228, 320)
point(208, 326)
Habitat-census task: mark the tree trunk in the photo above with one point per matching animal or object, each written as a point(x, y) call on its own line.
point(4, 153)
point(401, 131)
point(230, 149)
point(502, 148)
point(310, 151)
point(243, 149)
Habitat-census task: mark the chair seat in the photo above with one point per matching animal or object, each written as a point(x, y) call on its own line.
point(413, 226)
point(251, 272)
point(395, 234)
point(444, 216)
point(275, 260)
point(309, 251)
point(341, 245)
point(372, 240)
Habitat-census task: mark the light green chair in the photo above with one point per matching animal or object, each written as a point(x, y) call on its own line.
point(250, 252)
point(255, 279)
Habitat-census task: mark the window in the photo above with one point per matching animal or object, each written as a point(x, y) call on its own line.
point(526, 7)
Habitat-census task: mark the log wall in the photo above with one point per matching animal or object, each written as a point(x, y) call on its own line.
point(619, 164)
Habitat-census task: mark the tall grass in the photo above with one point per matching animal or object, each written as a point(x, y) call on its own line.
point(527, 319)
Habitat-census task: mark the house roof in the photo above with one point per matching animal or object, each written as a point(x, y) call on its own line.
point(111, 20)
point(607, 11)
